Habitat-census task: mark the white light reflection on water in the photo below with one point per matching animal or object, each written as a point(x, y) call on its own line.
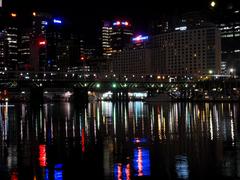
point(191, 131)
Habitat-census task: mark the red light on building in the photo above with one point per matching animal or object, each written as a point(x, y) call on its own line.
point(42, 43)
point(82, 58)
point(117, 23)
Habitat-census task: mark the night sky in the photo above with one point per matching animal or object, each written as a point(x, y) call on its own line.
point(85, 15)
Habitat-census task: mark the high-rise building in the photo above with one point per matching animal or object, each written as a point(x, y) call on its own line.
point(187, 52)
point(106, 39)
point(11, 38)
point(121, 35)
point(230, 37)
point(2, 49)
point(24, 58)
point(136, 59)
point(180, 52)
point(116, 35)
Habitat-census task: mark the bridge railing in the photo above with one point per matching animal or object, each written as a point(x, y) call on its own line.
point(66, 76)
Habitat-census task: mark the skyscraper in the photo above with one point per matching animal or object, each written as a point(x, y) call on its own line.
point(116, 35)
point(121, 35)
point(106, 39)
point(11, 37)
point(230, 37)
point(181, 52)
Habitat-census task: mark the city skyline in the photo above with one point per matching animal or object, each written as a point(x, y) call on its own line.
point(86, 16)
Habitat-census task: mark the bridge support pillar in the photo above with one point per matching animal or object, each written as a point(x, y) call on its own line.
point(150, 93)
point(80, 96)
point(120, 95)
point(36, 95)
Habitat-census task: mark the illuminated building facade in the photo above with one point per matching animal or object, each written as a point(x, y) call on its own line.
point(121, 35)
point(180, 52)
point(24, 51)
point(2, 49)
point(135, 59)
point(106, 39)
point(230, 37)
point(116, 36)
point(187, 52)
point(11, 38)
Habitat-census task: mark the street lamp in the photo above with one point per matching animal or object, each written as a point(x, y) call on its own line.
point(213, 4)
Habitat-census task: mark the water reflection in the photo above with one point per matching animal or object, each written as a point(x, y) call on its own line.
point(182, 167)
point(141, 161)
point(120, 141)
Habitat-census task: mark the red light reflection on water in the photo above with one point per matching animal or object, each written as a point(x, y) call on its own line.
point(83, 140)
point(122, 172)
point(14, 175)
point(42, 155)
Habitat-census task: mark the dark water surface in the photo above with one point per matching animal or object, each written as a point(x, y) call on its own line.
point(125, 141)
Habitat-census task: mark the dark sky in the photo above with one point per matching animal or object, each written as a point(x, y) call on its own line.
point(87, 14)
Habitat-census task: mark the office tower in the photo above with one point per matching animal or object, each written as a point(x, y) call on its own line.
point(115, 36)
point(181, 52)
point(106, 39)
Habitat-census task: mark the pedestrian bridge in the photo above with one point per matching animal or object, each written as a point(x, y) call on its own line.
point(187, 86)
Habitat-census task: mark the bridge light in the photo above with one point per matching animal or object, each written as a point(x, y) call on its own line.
point(13, 15)
point(125, 85)
point(158, 77)
point(114, 85)
point(98, 85)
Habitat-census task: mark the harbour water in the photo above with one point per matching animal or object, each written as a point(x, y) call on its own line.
point(127, 140)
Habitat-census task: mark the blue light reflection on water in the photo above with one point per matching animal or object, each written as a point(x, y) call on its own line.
point(122, 171)
point(141, 161)
point(46, 174)
point(139, 140)
point(58, 172)
point(182, 169)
